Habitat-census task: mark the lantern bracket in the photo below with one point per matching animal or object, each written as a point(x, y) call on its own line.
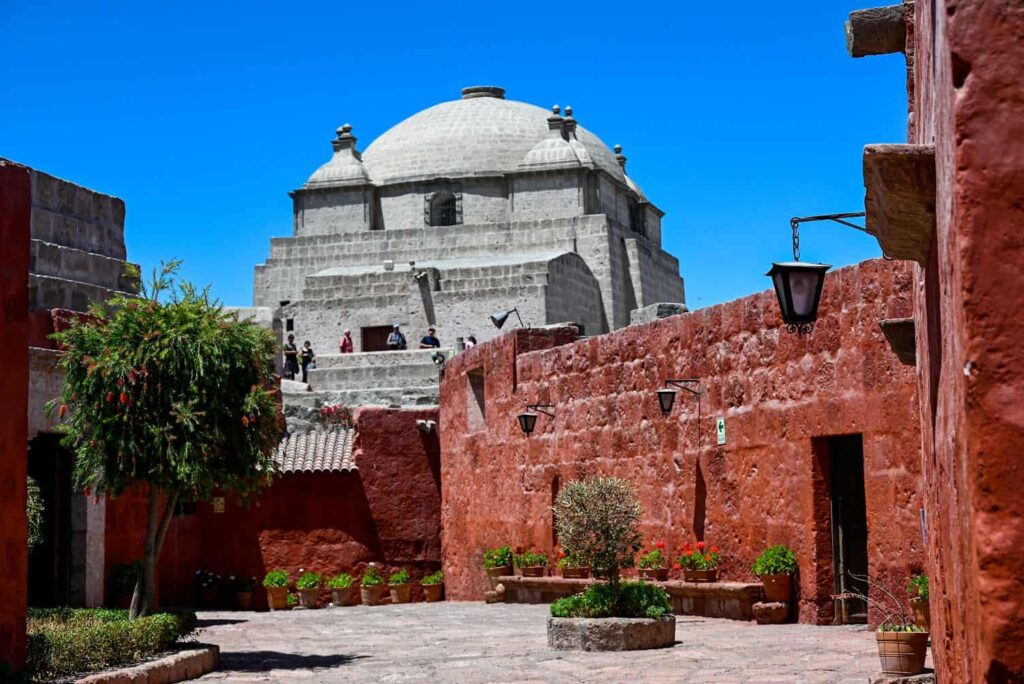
point(684, 384)
point(542, 408)
point(795, 222)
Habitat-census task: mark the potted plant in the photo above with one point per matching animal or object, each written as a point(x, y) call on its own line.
point(208, 588)
point(532, 564)
point(652, 564)
point(342, 588)
point(433, 587)
point(291, 601)
point(498, 562)
point(919, 606)
point(775, 568)
point(398, 586)
point(122, 583)
point(308, 585)
point(699, 564)
point(902, 644)
point(243, 587)
point(571, 566)
point(276, 583)
point(371, 587)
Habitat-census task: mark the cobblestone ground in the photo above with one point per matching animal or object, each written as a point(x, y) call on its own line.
point(474, 642)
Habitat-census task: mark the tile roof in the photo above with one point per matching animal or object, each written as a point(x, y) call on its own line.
point(316, 452)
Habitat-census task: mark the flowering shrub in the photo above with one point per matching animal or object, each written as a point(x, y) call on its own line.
point(372, 577)
point(276, 578)
point(653, 559)
point(918, 587)
point(309, 580)
point(697, 557)
point(243, 584)
point(433, 578)
point(341, 581)
point(531, 559)
point(570, 560)
point(399, 577)
point(497, 557)
point(628, 599)
point(206, 579)
point(775, 560)
point(335, 414)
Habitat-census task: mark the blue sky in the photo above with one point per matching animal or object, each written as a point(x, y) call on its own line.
point(203, 115)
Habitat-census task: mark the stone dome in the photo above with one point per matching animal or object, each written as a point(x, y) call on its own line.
point(480, 134)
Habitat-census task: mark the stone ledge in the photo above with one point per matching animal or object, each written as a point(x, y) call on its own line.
point(611, 634)
point(899, 200)
point(900, 334)
point(189, 663)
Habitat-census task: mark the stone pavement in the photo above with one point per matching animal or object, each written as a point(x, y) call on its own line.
point(474, 642)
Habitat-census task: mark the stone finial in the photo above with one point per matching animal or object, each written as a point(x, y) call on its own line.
point(555, 109)
point(346, 141)
point(619, 157)
point(556, 124)
point(569, 123)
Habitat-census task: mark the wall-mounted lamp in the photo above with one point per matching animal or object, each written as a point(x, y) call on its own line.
point(439, 358)
point(798, 283)
point(667, 395)
point(528, 419)
point(499, 318)
point(426, 426)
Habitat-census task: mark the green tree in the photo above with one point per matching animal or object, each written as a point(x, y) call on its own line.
point(34, 509)
point(168, 390)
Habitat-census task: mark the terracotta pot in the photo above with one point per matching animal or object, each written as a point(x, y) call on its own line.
point(576, 573)
point(902, 653)
point(654, 574)
point(371, 595)
point(277, 598)
point(501, 571)
point(535, 571)
point(243, 600)
point(400, 593)
point(344, 597)
point(922, 616)
point(309, 598)
point(432, 592)
point(778, 588)
point(701, 575)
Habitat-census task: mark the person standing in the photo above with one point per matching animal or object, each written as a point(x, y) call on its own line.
point(396, 340)
point(470, 342)
point(308, 358)
point(291, 358)
point(345, 346)
point(430, 340)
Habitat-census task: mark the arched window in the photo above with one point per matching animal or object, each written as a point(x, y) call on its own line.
point(442, 209)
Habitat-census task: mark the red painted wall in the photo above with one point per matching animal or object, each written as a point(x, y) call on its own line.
point(777, 392)
point(387, 512)
point(15, 232)
point(969, 102)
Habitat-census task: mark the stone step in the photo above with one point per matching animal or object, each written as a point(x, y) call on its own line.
point(357, 378)
point(67, 263)
point(375, 359)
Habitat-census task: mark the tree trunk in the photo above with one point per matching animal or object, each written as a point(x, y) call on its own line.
point(156, 531)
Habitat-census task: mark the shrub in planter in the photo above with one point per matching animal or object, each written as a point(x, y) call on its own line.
point(276, 583)
point(532, 564)
point(699, 562)
point(628, 599)
point(342, 588)
point(433, 587)
point(775, 568)
point(652, 563)
point(242, 587)
point(498, 562)
point(308, 585)
point(398, 586)
point(919, 605)
point(571, 566)
point(371, 588)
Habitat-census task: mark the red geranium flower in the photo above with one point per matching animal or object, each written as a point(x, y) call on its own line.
point(659, 544)
point(714, 549)
point(677, 566)
point(707, 557)
point(700, 545)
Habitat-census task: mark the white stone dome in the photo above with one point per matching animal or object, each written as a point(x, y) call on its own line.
point(480, 134)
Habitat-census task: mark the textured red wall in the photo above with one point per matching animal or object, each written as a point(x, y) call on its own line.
point(777, 393)
point(969, 102)
point(15, 232)
point(387, 512)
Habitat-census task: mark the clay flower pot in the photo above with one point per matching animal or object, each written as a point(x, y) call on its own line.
point(343, 597)
point(922, 617)
point(778, 588)
point(701, 575)
point(432, 592)
point(277, 598)
point(654, 574)
point(576, 573)
point(243, 600)
point(501, 571)
point(309, 598)
point(902, 653)
point(371, 595)
point(535, 571)
point(400, 593)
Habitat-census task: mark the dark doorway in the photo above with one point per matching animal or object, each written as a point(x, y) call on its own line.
point(49, 563)
point(375, 338)
point(849, 525)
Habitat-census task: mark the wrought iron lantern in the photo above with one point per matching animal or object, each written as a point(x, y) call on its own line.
point(499, 318)
point(528, 419)
point(667, 395)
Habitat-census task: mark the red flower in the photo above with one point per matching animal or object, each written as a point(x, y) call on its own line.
point(124, 397)
point(714, 549)
point(677, 566)
point(659, 544)
point(707, 557)
point(245, 421)
point(63, 410)
point(700, 545)
point(110, 397)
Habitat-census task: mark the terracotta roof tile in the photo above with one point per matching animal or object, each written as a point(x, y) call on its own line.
point(316, 452)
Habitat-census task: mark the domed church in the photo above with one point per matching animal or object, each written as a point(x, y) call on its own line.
point(469, 207)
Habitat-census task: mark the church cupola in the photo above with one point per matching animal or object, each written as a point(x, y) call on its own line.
point(553, 151)
point(345, 167)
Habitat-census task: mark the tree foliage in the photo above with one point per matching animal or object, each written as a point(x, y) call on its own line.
point(34, 509)
point(597, 520)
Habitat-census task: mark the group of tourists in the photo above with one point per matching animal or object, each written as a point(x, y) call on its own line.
point(293, 355)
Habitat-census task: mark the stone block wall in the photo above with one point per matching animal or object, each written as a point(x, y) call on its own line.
point(546, 196)
point(777, 392)
point(334, 210)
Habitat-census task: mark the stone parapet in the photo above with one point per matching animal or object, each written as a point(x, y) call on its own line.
point(190, 663)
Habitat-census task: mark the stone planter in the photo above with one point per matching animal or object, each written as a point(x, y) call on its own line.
point(371, 595)
point(309, 598)
point(654, 574)
point(400, 593)
point(277, 598)
point(902, 653)
point(611, 634)
point(343, 597)
point(494, 573)
point(922, 617)
point(701, 575)
point(432, 593)
point(535, 571)
point(778, 588)
point(575, 573)
point(243, 600)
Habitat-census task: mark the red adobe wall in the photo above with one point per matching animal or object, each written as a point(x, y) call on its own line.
point(15, 232)
point(387, 512)
point(970, 103)
point(777, 393)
